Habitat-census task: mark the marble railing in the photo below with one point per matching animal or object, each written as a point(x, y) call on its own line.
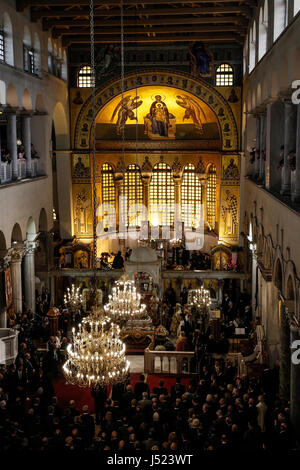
point(167, 362)
point(6, 170)
point(8, 345)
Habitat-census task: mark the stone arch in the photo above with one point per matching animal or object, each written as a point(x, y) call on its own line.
point(43, 222)
point(26, 100)
point(31, 229)
point(278, 275)
point(181, 81)
point(39, 102)
point(3, 246)
point(16, 234)
point(12, 96)
point(27, 36)
point(290, 291)
point(61, 127)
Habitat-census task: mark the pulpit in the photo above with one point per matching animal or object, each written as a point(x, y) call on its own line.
point(53, 316)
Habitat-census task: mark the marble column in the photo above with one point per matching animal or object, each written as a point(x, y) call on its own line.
point(12, 142)
point(16, 277)
point(262, 147)
point(254, 282)
point(26, 133)
point(257, 146)
point(177, 199)
point(29, 275)
point(294, 389)
point(289, 145)
point(285, 356)
point(296, 193)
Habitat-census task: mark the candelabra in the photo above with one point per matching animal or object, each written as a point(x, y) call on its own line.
point(73, 298)
point(96, 355)
point(200, 298)
point(124, 303)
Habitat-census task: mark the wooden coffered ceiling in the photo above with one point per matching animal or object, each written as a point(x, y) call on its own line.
point(149, 21)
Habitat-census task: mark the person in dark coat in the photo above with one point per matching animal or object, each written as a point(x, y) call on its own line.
point(140, 387)
point(100, 395)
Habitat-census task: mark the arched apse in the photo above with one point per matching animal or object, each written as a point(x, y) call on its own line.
point(30, 229)
point(16, 234)
point(43, 223)
point(182, 83)
point(26, 100)
point(60, 127)
point(8, 39)
point(11, 96)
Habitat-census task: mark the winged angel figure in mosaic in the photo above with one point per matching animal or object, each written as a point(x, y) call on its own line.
point(192, 111)
point(125, 111)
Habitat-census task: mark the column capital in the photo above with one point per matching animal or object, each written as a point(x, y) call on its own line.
point(30, 247)
point(17, 252)
point(5, 260)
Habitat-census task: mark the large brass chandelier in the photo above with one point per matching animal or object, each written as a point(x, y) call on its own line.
point(200, 299)
point(96, 355)
point(124, 303)
point(73, 297)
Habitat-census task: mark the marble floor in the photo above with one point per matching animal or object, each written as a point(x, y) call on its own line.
point(136, 363)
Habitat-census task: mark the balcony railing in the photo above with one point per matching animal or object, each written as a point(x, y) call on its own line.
point(6, 171)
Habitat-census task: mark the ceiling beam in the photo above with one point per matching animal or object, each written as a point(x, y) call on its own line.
point(147, 21)
point(157, 30)
point(215, 37)
point(221, 10)
point(42, 3)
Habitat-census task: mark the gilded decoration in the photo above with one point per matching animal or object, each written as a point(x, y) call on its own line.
point(82, 210)
point(81, 167)
point(230, 167)
point(229, 213)
point(166, 106)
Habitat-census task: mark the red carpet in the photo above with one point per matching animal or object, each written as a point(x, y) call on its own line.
point(82, 396)
point(169, 380)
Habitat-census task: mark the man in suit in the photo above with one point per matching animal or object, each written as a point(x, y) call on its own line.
point(160, 390)
point(178, 389)
point(140, 387)
point(88, 425)
point(100, 395)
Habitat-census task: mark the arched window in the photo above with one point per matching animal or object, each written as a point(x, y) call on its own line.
point(224, 75)
point(252, 47)
point(211, 198)
point(134, 193)
point(263, 31)
point(280, 16)
point(191, 196)
point(7, 40)
point(245, 56)
point(85, 77)
point(296, 6)
point(28, 52)
point(37, 55)
point(50, 56)
point(162, 195)
point(108, 191)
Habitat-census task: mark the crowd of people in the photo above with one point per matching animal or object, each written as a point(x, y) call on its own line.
point(6, 156)
point(216, 412)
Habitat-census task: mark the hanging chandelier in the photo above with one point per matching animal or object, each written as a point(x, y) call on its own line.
point(124, 302)
point(200, 299)
point(96, 355)
point(73, 298)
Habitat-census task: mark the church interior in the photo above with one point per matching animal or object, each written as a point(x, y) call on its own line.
point(149, 256)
